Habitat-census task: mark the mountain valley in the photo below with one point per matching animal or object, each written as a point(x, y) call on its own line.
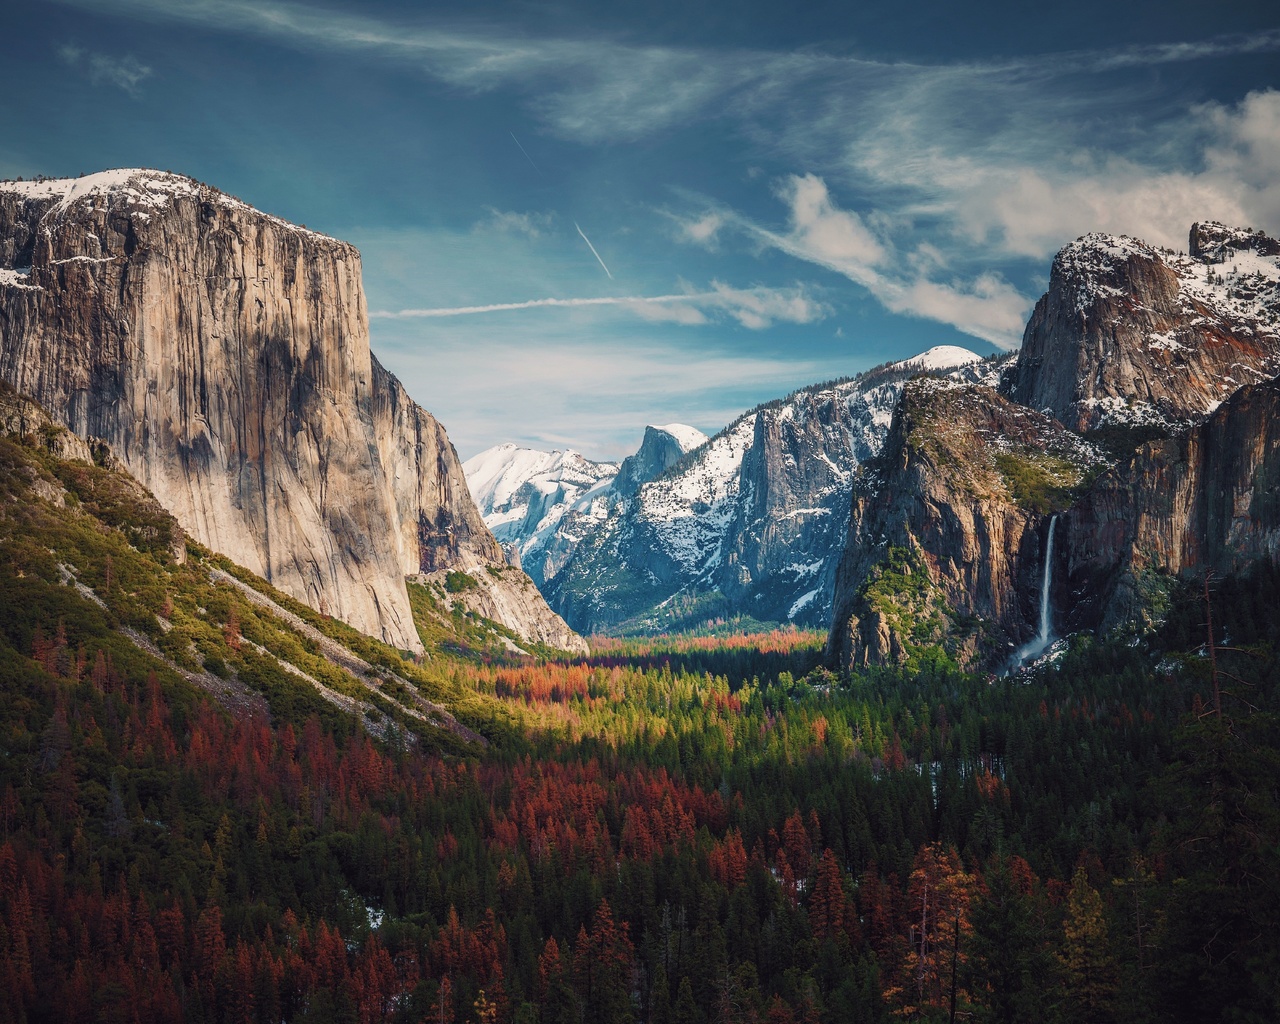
point(296, 723)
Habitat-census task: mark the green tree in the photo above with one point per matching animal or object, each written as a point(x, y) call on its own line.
point(1088, 971)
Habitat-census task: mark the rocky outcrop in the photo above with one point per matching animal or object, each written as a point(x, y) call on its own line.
point(1207, 499)
point(1129, 333)
point(23, 418)
point(150, 524)
point(223, 354)
point(505, 594)
point(661, 448)
point(946, 539)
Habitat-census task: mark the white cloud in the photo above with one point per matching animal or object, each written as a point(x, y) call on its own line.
point(534, 225)
point(757, 308)
point(701, 230)
point(823, 233)
point(125, 73)
point(754, 308)
point(834, 236)
point(987, 307)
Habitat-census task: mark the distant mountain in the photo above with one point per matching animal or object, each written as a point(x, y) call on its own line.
point(223, 355)
point(539, 504)
point(749, 523)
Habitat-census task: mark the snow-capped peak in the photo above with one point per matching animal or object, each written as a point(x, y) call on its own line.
point(687, 437)
point(140, 186)
point(940, 357)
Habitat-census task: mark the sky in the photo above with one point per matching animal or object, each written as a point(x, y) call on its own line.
point(578, 218)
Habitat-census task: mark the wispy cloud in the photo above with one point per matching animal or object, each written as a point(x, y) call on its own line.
point(126, 73)
point(597, 88)
point(557, 391)
point(946, 170)
point(701, 230)
point(531, 224)
point(824, 234)
point(754, 308)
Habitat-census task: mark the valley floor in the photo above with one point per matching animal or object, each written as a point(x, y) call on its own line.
point(218, 805)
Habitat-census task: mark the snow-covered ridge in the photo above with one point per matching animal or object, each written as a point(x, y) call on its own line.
point(757, 512)
point(524, 494)
point(1136, 334)
point(687, 437)
point(142, 188)
point(940, 357)
point(1235, 274)
point(691, 505)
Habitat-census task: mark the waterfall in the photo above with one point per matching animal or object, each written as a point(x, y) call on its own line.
point(1034, 648)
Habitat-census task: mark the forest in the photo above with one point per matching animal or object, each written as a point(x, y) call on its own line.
point(687, 829)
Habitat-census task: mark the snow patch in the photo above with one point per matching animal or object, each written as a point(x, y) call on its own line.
point(687, 437)
point(802, 602)
point(17, 278)
point(142, 188)
point(940, 357)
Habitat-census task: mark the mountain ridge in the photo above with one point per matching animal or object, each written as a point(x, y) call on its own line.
point(1134, 347)
point(746, 522)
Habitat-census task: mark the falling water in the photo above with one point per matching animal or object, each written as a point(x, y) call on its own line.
point(1034, 648)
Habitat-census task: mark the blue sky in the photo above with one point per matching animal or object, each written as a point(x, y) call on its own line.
point(773, 197)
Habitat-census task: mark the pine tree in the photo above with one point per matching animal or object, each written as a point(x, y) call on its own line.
point(1088, 972)
point(686, 1008)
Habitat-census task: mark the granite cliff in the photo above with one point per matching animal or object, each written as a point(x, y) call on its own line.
point(946, 539)
point(1129, 333)
point(1165, 360)
point(1206, 499)
point(223, 355)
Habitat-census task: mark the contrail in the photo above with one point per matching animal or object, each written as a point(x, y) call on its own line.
point(592, 248)
point(525, 152)
point(500, 307)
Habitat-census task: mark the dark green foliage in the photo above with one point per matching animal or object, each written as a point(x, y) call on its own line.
point(701, 829)
point(456, 582)
point(1039, 482)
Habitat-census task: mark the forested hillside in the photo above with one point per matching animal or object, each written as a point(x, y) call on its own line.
point(224, 809)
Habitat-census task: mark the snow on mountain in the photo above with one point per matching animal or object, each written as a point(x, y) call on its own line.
point(687, 437)
point(523, 494)
point(690, 509)
point(142, 187)
point(750, 522)
point(940, 357)
point(1138, 335)
point(540, 504)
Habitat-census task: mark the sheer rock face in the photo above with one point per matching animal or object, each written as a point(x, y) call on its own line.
point(1129, 333)
point(440, 526)
point(1207, 499)
point(946, 540)
point(660, 449)
point(224, 356)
